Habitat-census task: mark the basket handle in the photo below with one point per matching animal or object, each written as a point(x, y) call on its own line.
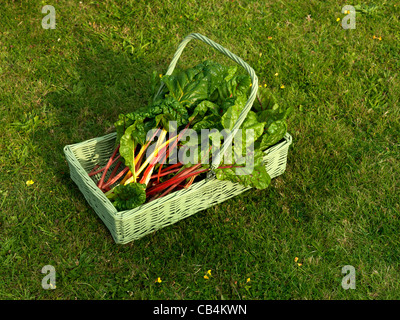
point(239, 61)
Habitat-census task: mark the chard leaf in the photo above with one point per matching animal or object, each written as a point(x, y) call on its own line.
point(202, 108)
point(238, 85)
point(265, 99)
point(251, 122)
point(208, 122)
point(172, 109)
point(251, 174)
point(198, 83)
point(129, 196)
point(274, 133)
point(230, 117)
point(134, 135)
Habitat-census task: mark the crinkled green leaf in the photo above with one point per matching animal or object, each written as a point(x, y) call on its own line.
point(264, 99)
point(255, 175)
point(251, 122)
point(208, 122)
point(275, 132)
point(202, 109)
point(172, 109)
point(196, 84)
point(129, 196)
point(238, 85)
point(230, 117)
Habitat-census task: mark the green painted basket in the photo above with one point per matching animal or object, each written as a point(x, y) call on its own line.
point(129, 225)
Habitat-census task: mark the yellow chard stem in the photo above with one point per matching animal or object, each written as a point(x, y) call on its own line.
point(134, 165)
point(155, 152)
point(161, 138)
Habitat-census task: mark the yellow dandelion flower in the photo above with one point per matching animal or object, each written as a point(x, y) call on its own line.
point(251, 84)
point(158, 280)
point(282, 86)
point(160, 75)
point(276, 74)
point(209, 272)
point(265, 85)
point(347, 12)
point(29, 182)
point(260, 85)
point(337, 19)
point(296, 259)
point(206, 277)
point(380, 38)
point(299, 264)
point(249, 28)
point(248, 280)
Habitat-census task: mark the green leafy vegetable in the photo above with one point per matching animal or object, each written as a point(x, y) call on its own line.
point(196, 84)
point(251, 174)
point(206, 96)
point(129, 196)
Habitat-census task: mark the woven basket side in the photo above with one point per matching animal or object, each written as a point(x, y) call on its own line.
point(178, 208)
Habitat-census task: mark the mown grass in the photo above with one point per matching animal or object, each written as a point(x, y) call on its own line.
point(336, 204)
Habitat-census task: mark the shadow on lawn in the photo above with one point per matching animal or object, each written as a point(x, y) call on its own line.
point(102, 84)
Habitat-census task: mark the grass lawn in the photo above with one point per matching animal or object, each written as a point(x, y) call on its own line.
point(337, 203)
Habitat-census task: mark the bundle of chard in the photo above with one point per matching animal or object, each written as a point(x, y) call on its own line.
point(210, 97)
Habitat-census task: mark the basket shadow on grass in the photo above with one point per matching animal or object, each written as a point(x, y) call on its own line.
point(104, 83)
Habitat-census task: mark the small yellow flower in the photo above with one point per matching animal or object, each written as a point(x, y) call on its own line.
point(248, 280)
point(296, 259)
point(265, 85)
point(299, 264)
point(160, 75)
point(380, 38)
point(158, 280)
point(347, 12)
point(282, 86)
point(206, 277)
point(209, 272)
point(338, 19)
point(276, 74)
point(249, 28)
point(269, 38)
point(29, 182)
point(260, 85)
point(251, 84)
